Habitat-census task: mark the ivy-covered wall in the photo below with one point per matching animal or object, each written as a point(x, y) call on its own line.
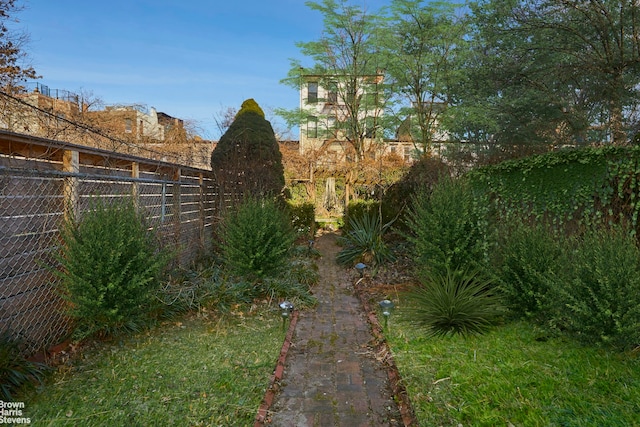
point(579, 186)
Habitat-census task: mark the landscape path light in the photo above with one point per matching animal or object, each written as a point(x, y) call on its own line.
point(286, 308)
point(387, 307)
point(360, 268)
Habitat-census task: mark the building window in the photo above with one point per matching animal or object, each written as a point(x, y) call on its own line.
point(369, 127)
point(332, 123)
point(312, 127)
point(332, 97)
point(312, 92)
point(128, 125)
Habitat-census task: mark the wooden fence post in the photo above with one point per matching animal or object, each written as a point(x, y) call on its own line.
point(71, 165)
point(176, 209)
point(135, 187)
point(201, 206)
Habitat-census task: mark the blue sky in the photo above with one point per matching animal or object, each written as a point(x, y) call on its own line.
point(190, 59)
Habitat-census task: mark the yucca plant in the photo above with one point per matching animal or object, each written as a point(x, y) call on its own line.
point(364, 242)
point(454, 302)
point(15, 370)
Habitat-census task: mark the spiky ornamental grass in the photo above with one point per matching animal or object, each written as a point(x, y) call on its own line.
point(364, 242)
point(15, 370)
point(454, 302)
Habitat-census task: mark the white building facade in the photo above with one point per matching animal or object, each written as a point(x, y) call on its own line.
point(328, 119)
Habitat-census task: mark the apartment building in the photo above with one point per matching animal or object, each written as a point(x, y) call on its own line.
point(328, 114)
point(63, 115)
point(136, 123)
point(323, 106)
point(37, 111)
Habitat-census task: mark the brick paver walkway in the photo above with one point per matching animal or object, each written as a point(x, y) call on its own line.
point(331, 376)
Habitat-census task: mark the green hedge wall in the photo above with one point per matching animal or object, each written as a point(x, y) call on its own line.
point(579, 186)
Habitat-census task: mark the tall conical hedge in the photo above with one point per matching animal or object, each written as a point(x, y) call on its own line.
point(247, 160)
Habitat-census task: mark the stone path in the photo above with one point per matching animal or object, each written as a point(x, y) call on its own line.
point(331, 376)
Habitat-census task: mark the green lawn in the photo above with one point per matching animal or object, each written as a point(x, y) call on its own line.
point(515, 375)
point(197, 373)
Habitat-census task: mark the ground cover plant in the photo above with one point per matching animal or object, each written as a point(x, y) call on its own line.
point(15, 370)
point(515, 375)
point(201, 371)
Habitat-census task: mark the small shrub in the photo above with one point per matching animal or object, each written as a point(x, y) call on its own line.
point(365, 242)
point(448, 229)
point(456, 302)
point(531, 260)
point(257, 238)
point(422, 176)
point(110, 269)
point(602, 297)
point(15, 370)
point(303, 218)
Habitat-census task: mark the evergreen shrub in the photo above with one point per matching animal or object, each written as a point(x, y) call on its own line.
point(303, 218)
point(529, 270)
point(247, 159)
point(111, 267)
point(602, 296)
point(257, 238)
point(422, 176)
point(586, 284)
point(448, 229)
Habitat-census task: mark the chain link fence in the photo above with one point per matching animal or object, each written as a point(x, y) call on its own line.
point(43, 181)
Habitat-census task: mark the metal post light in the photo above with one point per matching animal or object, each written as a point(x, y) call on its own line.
point(386, 306)
point(286, 308)
point(360, 268)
